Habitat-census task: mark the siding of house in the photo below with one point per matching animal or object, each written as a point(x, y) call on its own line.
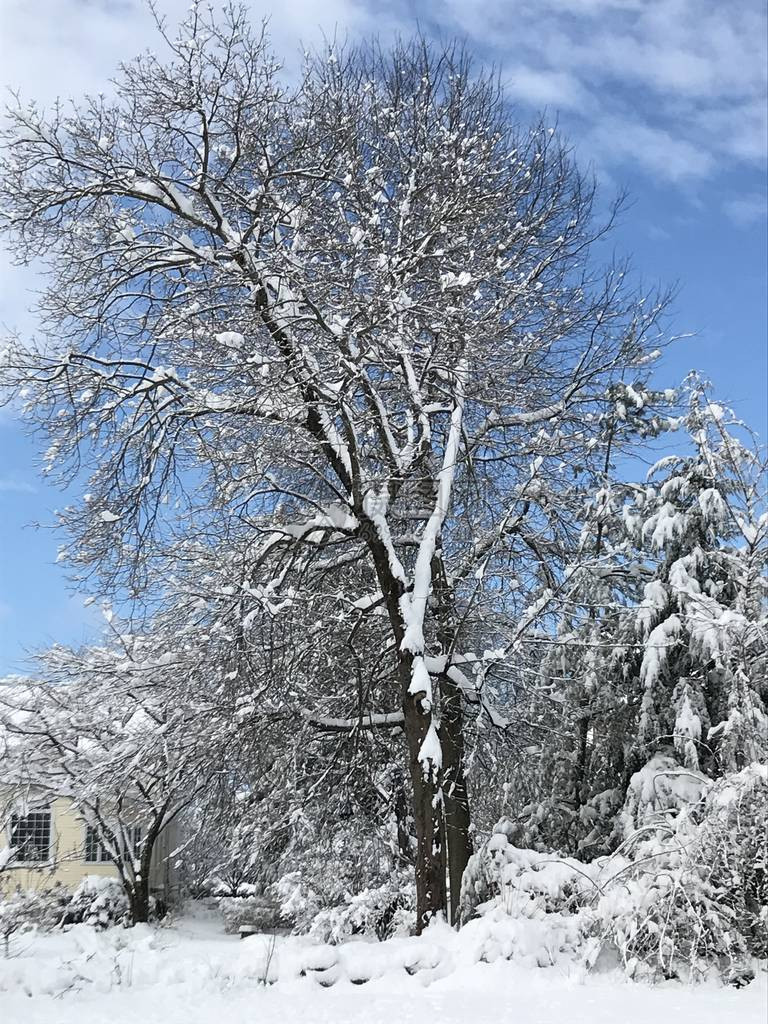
point(68, 865)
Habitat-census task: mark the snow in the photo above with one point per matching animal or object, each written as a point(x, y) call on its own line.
point(666, 526)
point(430, 752)
point(192, 973)
point(659, 787)
point(421, 682)
point(370, 719)
point(712, 505)
point(450, 280)
point(655, 656)
point(231, 339)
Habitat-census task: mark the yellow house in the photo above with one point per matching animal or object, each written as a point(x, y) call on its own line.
point(53, 844)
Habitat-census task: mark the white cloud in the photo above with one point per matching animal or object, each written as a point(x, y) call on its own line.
point(68, 47)
point(546, 88)
point(651, 149)
point(687, 73)
point(8, 485)
point(746, 210)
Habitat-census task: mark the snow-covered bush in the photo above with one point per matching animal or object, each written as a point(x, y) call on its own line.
point(732, 839)
point(248, 910)
point(683, 896)
point(298, 900)
point(26, 910)
point(100, 902)
point(660, 791)
point(521, 880)
point(334, 911)
point(384, 910)
point(691, 897)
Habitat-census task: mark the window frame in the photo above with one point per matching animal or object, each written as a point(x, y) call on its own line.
point(132, 847)
point(37, 833)
point(92, 841)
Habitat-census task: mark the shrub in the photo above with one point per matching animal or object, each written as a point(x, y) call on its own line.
point(692, 897)
point(683, 896)
point(732, 839)
point(298, 901)
point(384, 911)
point(23, 911)
point(248, 910)
point(100, 902)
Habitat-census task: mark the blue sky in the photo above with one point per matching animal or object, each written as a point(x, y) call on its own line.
point(664, 97)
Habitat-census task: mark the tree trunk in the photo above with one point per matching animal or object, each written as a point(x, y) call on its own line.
point(401, 819)
point(458, 843)
point(427, 820)
point(140, 888)
point(428, 808)
point(455, 792)
point(140, 900)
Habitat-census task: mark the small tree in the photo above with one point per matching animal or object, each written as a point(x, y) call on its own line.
point(107, 732)
point(704, 616)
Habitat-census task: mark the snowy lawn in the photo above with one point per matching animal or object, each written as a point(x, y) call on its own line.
point(192, 973)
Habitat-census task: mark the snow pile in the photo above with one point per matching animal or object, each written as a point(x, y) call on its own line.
point(189, 974)
point(193, 971)
point(89, 959)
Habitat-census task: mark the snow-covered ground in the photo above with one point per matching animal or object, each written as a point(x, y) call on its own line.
point(192, 973)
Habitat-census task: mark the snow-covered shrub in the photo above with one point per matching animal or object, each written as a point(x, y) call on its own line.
point(385, 911)
point(23, 911)
point(683, 895)
point(660, 915)
point(660, 791)
point(349, 875)
point(732, 839)
point(298, 900)
point(691, 896)
point(216, 886)
point(481, 881)
point(521, 881)
point(100, 902)
point(248, 910)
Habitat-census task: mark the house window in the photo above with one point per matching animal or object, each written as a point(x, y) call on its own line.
point(94, 848)
point(95, 852)
point(31, 836)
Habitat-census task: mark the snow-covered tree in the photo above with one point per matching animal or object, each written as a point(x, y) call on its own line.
point(353, 322)
point(658, 655)
point(105, 730)
point(704, 615)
